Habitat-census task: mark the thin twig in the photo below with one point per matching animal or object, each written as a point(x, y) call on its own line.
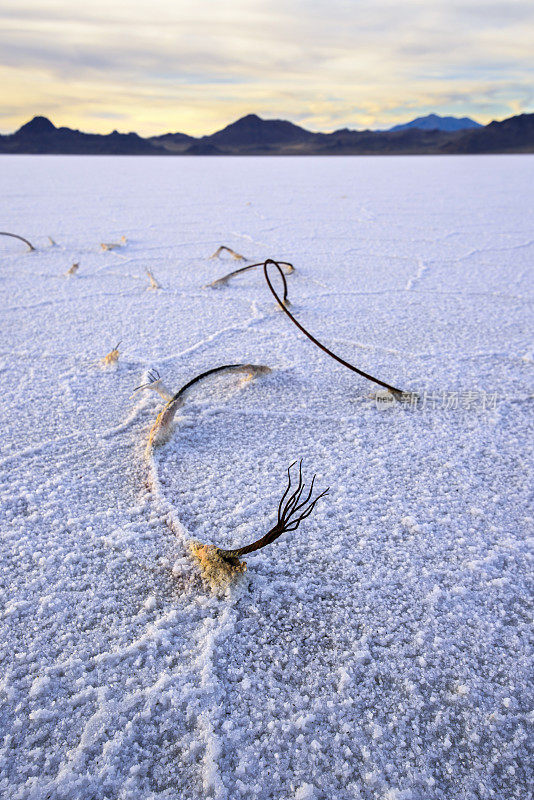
point(237, 256)
point(398, 393)
point(16, 236)
point(224, 280)
point(219, 567)
point(155, 384)
point(153, 377)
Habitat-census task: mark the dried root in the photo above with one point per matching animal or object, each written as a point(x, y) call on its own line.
point(16, 236)
point(220, 567)
point(113, 245)
point(112, 357)
point(161, 430)
point(223, 247)
point(72, 270)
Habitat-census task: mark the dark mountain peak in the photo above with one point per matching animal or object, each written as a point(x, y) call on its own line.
point(37, 126)
point(117, 135)
point(512, 135)
point(253, 131)
point(518, 122)
point(249, 119)
point(433, 122)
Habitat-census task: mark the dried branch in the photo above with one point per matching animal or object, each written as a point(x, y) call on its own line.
point(163, 424)
point(16, 236)
point(289, 268)
point(113, 245)
point(397, 393)
point(237, 256)
point(72, 270)
point(220, 566)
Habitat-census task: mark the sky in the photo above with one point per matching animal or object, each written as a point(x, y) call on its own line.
point(194, 66)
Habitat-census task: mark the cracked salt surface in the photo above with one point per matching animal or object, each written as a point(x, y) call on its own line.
point(382, 651)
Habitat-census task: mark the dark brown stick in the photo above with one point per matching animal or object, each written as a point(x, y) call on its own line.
point(16, 236)
point(226, 278)
point(397, 392)
point(208, 372)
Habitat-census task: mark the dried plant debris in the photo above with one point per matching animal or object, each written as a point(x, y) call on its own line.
point(224, 249)
point(73, 269)
point(217, 571)
point(113, 245)
point(112, 357)
point(398, 394)
point(162, 427)
point(153, 284)
point(16, 236)
point(220, 567)
point(155, 384)
point(285, 267)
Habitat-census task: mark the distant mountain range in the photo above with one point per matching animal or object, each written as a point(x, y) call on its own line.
point(252, 135)
point(433, 122)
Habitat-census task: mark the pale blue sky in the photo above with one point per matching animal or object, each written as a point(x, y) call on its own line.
point(170, 65)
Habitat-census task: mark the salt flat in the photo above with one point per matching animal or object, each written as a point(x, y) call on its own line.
point(382, 650)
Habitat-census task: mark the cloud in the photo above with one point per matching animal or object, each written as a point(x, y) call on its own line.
point(173, 65)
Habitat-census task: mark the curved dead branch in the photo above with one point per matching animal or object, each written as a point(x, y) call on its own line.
point(162, 426)
point(219, 566)
point(225, 278)
point(397, 393)
point(252, 369)
point(16, 236)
